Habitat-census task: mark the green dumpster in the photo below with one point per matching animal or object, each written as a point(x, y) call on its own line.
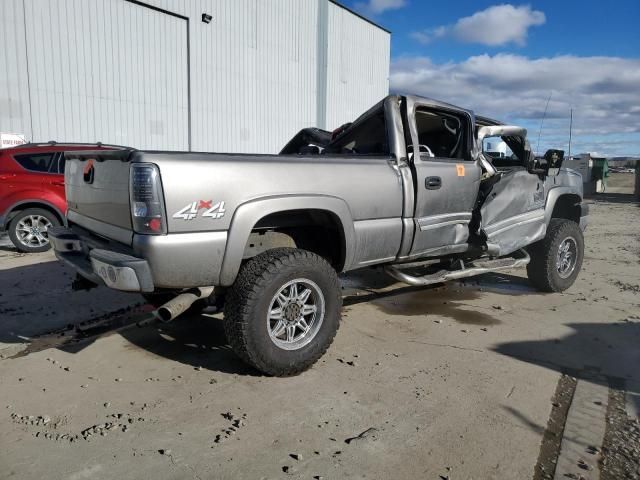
point(600, 171)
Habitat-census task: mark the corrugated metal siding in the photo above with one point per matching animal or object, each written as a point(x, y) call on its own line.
point(114, 71)
point(253, 72)
point(14, 86)
point(357, 67)
point(107, 71)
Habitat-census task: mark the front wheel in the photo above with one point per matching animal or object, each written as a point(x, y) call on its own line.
point(283, 311)
point(556, 260)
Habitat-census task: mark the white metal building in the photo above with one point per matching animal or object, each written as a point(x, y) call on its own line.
point(155, 75)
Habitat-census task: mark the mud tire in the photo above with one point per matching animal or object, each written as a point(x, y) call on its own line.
point(542, 270)
point(249, 299)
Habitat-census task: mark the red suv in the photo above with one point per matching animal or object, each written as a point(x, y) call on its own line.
point(32, 191)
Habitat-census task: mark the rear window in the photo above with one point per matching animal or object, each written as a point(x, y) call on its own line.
point(367, 138)
point(36, 162)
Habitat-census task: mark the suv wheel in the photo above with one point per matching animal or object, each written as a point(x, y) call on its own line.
point(28, 230)
point(283, 311)
point(556, 260)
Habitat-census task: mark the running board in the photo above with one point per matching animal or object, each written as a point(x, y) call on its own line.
point(476, 268)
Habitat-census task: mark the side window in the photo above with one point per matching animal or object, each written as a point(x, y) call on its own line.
point(368, 137)
point(442, 134)
point(36, 162)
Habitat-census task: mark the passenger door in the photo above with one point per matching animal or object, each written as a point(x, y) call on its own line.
point(446, 179)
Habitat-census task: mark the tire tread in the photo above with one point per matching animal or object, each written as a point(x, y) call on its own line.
point(253, 278)
point(541, 268)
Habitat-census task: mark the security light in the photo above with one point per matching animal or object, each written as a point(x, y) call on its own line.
point(206, 18)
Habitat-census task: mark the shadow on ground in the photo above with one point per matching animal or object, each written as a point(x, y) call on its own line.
point(613, 198)
point(606, 351)
point(195, 340)
point(39, 309)
point(37, 298)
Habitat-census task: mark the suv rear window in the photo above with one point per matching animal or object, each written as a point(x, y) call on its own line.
point(35, 162)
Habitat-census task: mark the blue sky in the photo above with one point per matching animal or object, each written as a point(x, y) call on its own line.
point(506, 59)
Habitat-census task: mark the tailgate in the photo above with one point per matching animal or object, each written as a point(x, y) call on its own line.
point(97, 189)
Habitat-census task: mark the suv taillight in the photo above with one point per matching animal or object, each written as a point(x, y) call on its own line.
point(147, 201)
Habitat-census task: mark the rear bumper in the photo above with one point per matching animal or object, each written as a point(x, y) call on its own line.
point(104, 267)
point(174, 261)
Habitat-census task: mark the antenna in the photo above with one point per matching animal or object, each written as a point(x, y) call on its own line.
point(542, 122)
point(570, 130)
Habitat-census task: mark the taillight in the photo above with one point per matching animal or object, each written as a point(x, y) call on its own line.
point(147, 201)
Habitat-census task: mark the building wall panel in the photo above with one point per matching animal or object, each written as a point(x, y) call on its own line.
point(357, 66)
point(119, 72)
point(14, 82)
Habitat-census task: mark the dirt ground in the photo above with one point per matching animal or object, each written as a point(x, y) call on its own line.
point(456, 381)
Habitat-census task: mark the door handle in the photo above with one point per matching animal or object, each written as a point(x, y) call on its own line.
point(432, 183)
point(57, 184)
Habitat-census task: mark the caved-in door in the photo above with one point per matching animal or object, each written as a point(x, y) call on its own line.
point(512, 215)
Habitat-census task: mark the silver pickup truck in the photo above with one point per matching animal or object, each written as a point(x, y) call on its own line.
point(407, 186)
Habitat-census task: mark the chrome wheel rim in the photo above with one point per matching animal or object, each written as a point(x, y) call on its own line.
point(31, 231)
point(567, 256)
point(295, 314)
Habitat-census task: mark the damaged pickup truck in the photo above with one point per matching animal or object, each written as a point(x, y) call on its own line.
point(406, 187)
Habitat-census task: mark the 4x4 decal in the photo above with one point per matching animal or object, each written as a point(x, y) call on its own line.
point(192, 210)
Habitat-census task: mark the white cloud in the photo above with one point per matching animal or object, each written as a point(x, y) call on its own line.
point(497, 25)
point(602, 91)
point(375, 7)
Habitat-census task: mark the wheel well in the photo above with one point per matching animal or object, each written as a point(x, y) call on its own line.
point(23, 206)
point(318, 231)
point(567, 206)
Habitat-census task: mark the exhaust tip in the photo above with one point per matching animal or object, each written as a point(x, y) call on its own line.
point(180, 304)
point(164, 314)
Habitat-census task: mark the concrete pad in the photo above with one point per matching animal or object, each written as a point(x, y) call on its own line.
point(583, 430)
point(456, 381)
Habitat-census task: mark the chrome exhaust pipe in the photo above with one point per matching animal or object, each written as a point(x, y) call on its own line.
point(180, 304)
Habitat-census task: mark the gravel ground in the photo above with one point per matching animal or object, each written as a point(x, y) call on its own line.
point(621, 449)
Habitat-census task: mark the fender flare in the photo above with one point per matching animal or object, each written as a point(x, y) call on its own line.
point(248, 214)
point(45, 203)
point(553, 196)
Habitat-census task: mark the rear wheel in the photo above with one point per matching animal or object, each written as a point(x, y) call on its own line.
point(556, 260)
point(283, 311)
point(28, 230)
